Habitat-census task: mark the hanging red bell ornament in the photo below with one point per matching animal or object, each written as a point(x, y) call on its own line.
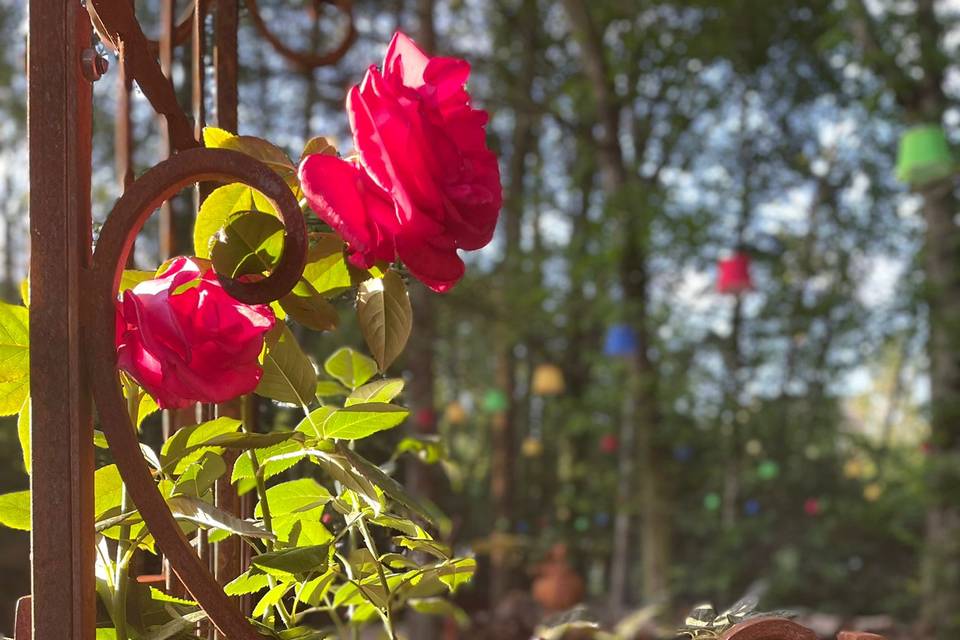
point(425, 419)
point(609, 443)
point(811, 507)
point(733, 274)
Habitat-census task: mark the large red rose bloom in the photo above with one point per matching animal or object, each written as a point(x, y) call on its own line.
point(184, 339)
point(424, 184)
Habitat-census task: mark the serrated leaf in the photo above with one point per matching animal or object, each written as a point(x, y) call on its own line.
point(341, 469)
point(14, 358)
point(286, 452)
point(312, 591)
point(361, 420)
point(288, 374)
point(350, 367)
point(184, 446)
point(217, 208)
point(244, 440)
point(431, 547)
point(300, 496)
point(247, 582)
point(108, 489)
point(292, 562)
point(375, 475)
point(214, 137)
point(377, 391)
point(386, 317)
point(15, 510)
point(272, 597)
point(199, 477)
point(210, 517)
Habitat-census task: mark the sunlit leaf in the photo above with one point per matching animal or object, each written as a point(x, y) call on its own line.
point(350, 367)
point(361, 420)
point(386, 317)
point(288, 374)
point(217, 208)
point(15, 510)
point(291, 562)
point(14, 358)
point(377, 391)
point(249, 243)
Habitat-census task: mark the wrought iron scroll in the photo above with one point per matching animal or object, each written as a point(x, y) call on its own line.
point(112, 250)
point(302, 59)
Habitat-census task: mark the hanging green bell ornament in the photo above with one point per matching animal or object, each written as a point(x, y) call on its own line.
point(924, 156)
point(495, 401)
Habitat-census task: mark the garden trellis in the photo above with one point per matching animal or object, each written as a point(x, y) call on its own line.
point(73, 354)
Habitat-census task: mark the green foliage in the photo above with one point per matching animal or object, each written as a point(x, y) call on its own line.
point(14, 358)
point(386, 318)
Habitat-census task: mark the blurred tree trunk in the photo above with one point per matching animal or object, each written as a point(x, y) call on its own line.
point(641, 412)
point(923, 101)
point(522, 143)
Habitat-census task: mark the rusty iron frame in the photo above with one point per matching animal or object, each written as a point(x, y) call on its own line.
point(73, 288)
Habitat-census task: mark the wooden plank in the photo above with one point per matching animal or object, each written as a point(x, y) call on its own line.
point(59, 130)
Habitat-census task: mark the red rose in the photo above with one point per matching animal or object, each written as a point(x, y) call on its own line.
point(424, 183)
point(185, 340)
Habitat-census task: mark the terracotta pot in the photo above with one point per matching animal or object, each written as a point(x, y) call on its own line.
point(557, 586)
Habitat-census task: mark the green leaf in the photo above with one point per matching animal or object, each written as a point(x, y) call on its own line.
point(288, 374)
point(313, 591)
point(252, 440)
point(267, 153)
point(350, 367)
point(457, 572)
point(326, 269)
point(375, 475)
point(132, 277)
point(247, 582)
point(312, 423)
point(23, 432)
point(296, 530)
point(217, 208)
point(386, 317)
point(249, 243)
point(200, 476)
point(273, 596)
point(14, 358)
point(25, 292)
point(341, 469)
point(319, 144)
point(243, 475)
point(183, 447)
point(330, 388)
point(398, 561)
point(361, 420)
point(440, 607)
point(214, 137)
point(296, 496)
point(108, 488)
point(377, 391)
point(431, 547)
point(15, 510)
point(428, 449)
point(309, 308)
point(292, 562)
point(210, 517)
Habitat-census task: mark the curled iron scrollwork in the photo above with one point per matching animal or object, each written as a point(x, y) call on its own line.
point(303, 59)
point(113, 247)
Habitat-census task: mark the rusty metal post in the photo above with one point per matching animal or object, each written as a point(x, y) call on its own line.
point(60, 124)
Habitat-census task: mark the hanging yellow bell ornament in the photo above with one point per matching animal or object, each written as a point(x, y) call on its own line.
point(532, 447)
point(872, 492)
point(548, 380)
point(853, 468)
point(455, 413)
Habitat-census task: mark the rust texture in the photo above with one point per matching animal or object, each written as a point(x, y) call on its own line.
point(302, 59)
point(60, 120)
point(769, 629)
point(23, 625)
point(116, 238)
point(117, 25)
point(858, 635)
